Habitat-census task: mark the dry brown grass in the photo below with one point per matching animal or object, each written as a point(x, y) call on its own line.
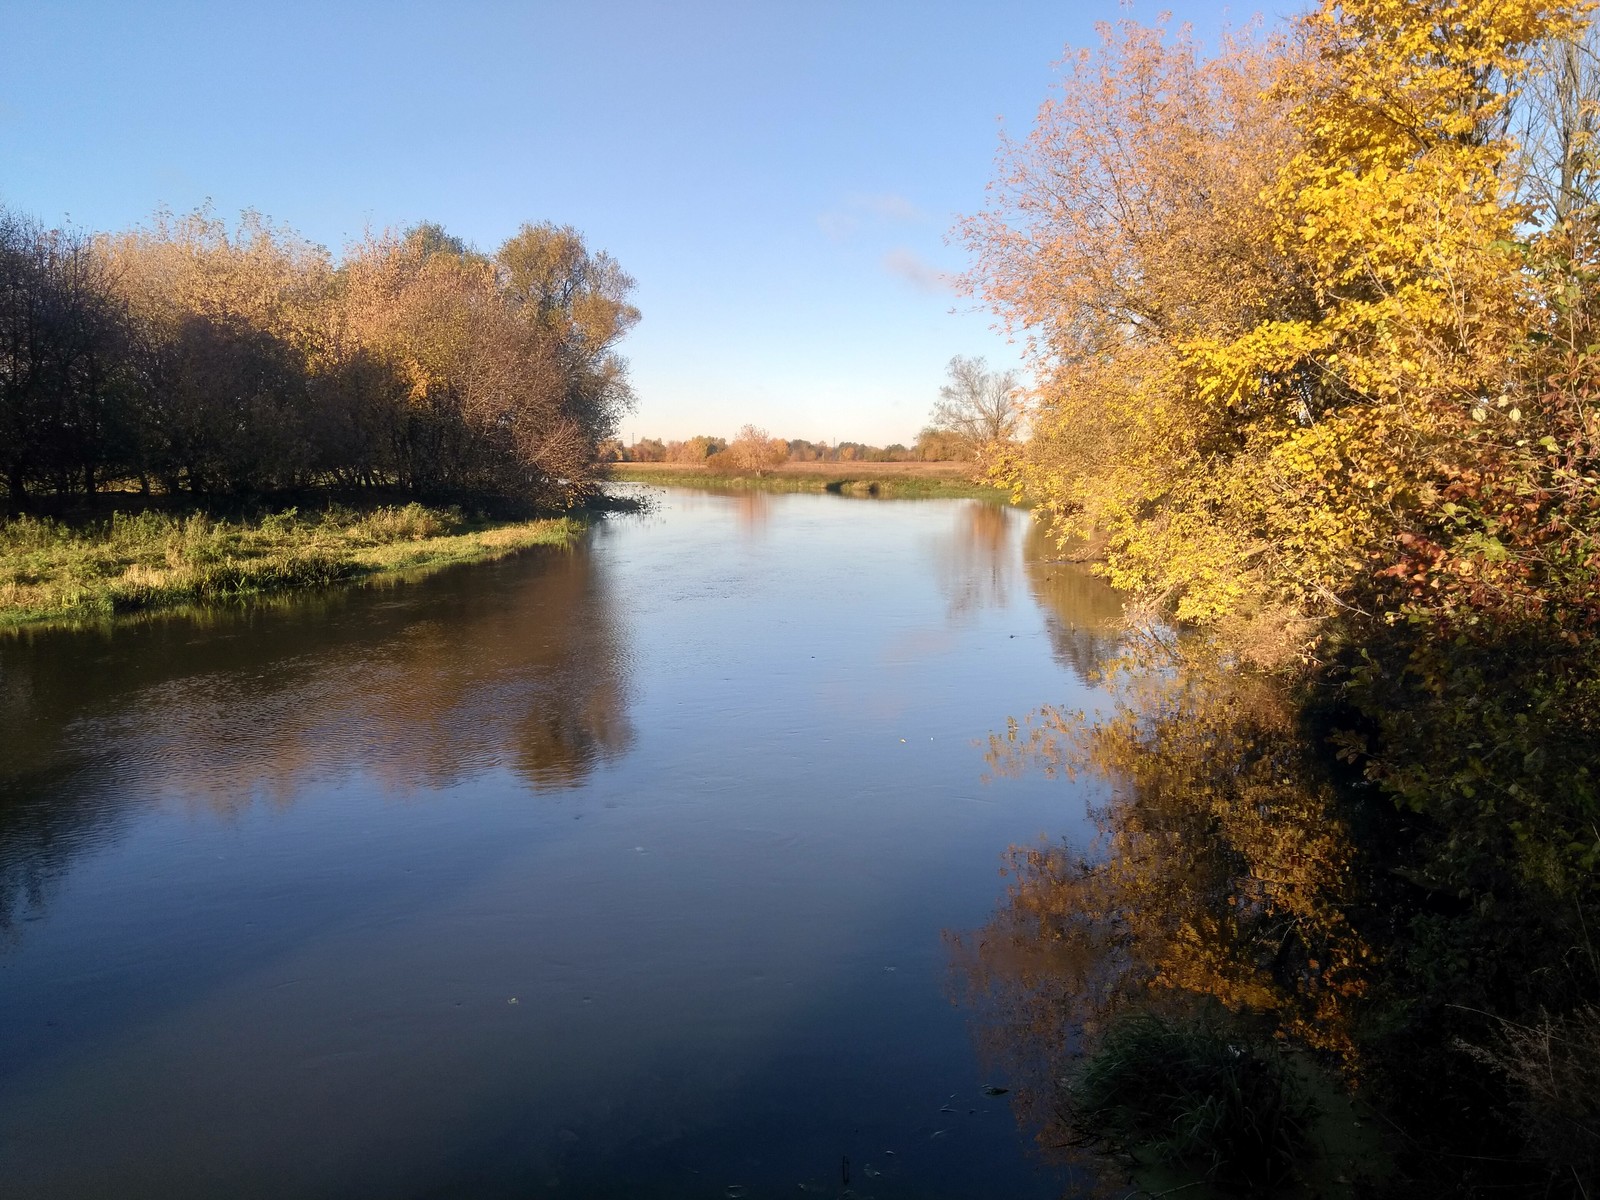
point(1554, 1070)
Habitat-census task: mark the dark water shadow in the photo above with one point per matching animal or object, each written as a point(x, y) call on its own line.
point(518, 666)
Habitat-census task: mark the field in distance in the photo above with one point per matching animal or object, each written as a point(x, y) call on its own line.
point(829, 470)
point(900, 480)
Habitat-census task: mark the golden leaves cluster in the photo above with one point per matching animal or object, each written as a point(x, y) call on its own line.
point(1267, 291)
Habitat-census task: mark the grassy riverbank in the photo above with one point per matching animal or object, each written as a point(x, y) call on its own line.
point(897, 481)
point(53, 571)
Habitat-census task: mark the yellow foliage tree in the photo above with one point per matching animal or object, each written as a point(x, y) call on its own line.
point(1270, 292)
point(754, 450)
point(225, 327)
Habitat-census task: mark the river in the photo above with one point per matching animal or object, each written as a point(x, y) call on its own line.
point(628, 870)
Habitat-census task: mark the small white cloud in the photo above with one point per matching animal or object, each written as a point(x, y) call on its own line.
point(906, 264)
point(838, 225)
point(891, 206)
point(879, 208)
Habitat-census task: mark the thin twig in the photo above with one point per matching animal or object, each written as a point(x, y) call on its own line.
point(1182, 1187)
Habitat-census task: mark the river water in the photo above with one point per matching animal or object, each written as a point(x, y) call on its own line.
point(629, 870)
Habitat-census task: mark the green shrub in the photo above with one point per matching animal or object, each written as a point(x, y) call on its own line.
point(1192, 1095)
point(279, 524)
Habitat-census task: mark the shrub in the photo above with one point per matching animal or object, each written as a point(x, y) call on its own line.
point(1192, 1095)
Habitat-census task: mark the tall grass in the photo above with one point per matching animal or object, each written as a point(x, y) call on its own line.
point(1553, 1067)
point(53, 570)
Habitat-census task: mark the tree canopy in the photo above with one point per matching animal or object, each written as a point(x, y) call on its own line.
point(1312, 323)
point(195, 357)
point(980, 408)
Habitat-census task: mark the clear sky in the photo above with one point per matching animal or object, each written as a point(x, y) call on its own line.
point(779, 176)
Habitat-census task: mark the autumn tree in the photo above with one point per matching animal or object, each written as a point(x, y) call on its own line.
point(204, 357)
point(941, 445)
point(804, 450)
point(647, 450)
point(696, 449)
point(1555, 120)
point(1127, 225)
point(753, 450)
point(982, 408)
point(60, 372)
point(226, 329)
point(509, 376)
point(1268, 292)
point(576, 302)
point(1317, 357)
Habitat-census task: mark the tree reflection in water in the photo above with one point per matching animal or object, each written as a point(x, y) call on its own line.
point(1221, 882)
point(1082, 614)
point(520, 667)
point(976, 560)
point(755, 511)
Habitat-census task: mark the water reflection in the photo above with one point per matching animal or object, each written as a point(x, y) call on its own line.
point(519, 667)
point(716, 962)
point(1083, 616)
point(978, 566)
point(1222, 879)
point(755, 510)
point(977, 558)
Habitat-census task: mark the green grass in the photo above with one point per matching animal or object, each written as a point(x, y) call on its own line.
point(51, 571)
point(860, 481)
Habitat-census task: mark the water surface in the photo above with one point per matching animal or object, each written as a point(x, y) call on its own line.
point(618, 871)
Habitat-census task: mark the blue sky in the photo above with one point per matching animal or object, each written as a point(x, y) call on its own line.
point(779, 176)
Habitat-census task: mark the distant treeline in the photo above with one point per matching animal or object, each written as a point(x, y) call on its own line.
point(185, 357)
point(932, 445)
